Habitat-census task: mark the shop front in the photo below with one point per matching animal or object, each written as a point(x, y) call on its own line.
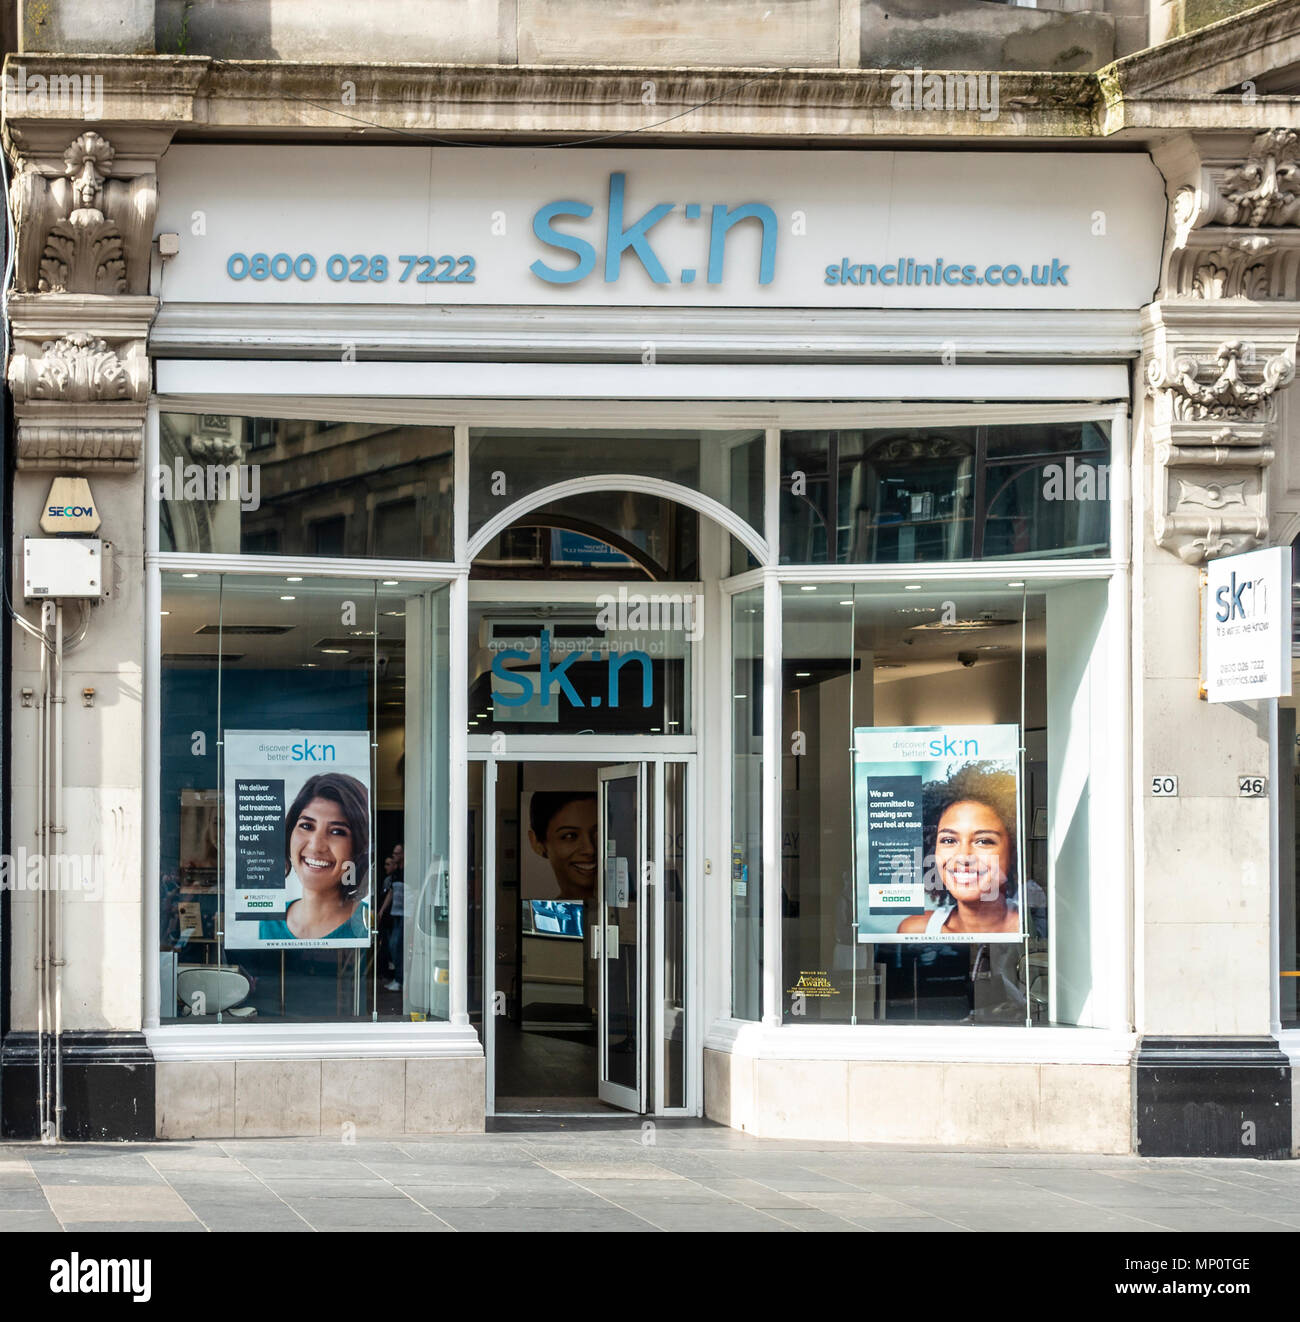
point(583, 726)
point(608, 652)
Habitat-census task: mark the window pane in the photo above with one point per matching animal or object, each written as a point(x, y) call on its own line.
point(284, 486)
point(620, 664)
point(304, 799)
point(747, 805)
point(914, 494)
point(932, 662)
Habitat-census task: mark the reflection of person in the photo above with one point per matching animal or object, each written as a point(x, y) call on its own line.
point(970, 830)
point(394, 906)
point(327, 846)
point(562, 829)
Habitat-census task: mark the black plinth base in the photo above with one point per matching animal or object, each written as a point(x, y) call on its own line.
point(108, 1087)
point(1212, 1097)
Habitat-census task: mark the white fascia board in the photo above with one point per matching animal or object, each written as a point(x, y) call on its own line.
point(821, 381)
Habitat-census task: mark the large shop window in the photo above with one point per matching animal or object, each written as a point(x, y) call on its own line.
point(940, 747)
point(286, 486)
point(905, 494)
point(304, 799)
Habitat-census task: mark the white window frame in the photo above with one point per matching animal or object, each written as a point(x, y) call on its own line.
point(545, 395)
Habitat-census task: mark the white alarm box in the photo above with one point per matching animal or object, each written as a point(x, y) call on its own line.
point(68, 567)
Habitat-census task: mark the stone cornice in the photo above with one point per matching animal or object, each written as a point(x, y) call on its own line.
point(201, 98)
point(149, 100)
point(1207, 60)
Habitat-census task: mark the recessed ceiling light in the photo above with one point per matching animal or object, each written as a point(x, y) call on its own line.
point(992, 647)
point(808, 587)
point(166, 612)
point(189, 575)
point(335, 651)
point(911, 587)
point(294, 578)
point(739, 697)
point(1019, 583)
point(308, 665)
point(396, 615)
point(390, 582)
point(288, 598)
point(846, 603)
point(802, 674)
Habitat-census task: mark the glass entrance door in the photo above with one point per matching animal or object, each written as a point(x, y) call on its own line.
point(619, 946)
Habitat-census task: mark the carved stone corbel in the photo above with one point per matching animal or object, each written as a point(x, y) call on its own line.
point(80, 309)
point(79, 395)
point(81, 230)
point(1235, 222)
point(1221, 339)
point(1213, 417)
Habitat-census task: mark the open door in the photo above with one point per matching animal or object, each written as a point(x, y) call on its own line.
point(618, 943)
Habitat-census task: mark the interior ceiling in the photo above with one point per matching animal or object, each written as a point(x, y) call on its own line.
point(985, 621)
point(311, 622)
point(308, 632)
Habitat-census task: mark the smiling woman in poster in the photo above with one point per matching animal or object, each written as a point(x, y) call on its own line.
point(562, 828)
point(327, 847)
point(970, 830)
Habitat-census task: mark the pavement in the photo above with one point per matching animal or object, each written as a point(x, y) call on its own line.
point(623, 1175)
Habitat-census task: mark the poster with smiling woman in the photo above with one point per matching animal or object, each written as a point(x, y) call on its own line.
point(297, 849)
point(937, 827)
point(560, 816)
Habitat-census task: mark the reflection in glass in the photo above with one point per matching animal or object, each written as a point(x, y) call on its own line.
point(746, 862)
point(293, 486)
point(911, 494)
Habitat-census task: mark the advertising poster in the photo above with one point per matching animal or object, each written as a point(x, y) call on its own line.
point(560, 822)
point(937, 822)
point(297, 849)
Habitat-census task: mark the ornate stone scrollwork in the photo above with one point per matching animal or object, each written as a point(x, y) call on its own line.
point(79, 369)
point(81, 230)
point(79, 395)
point(1230, 394)
point(1221, 339)
point(1213, 416)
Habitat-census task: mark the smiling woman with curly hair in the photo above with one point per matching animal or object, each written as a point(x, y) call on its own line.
point(970, 832)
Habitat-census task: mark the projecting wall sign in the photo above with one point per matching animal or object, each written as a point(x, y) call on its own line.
point(681, 228)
